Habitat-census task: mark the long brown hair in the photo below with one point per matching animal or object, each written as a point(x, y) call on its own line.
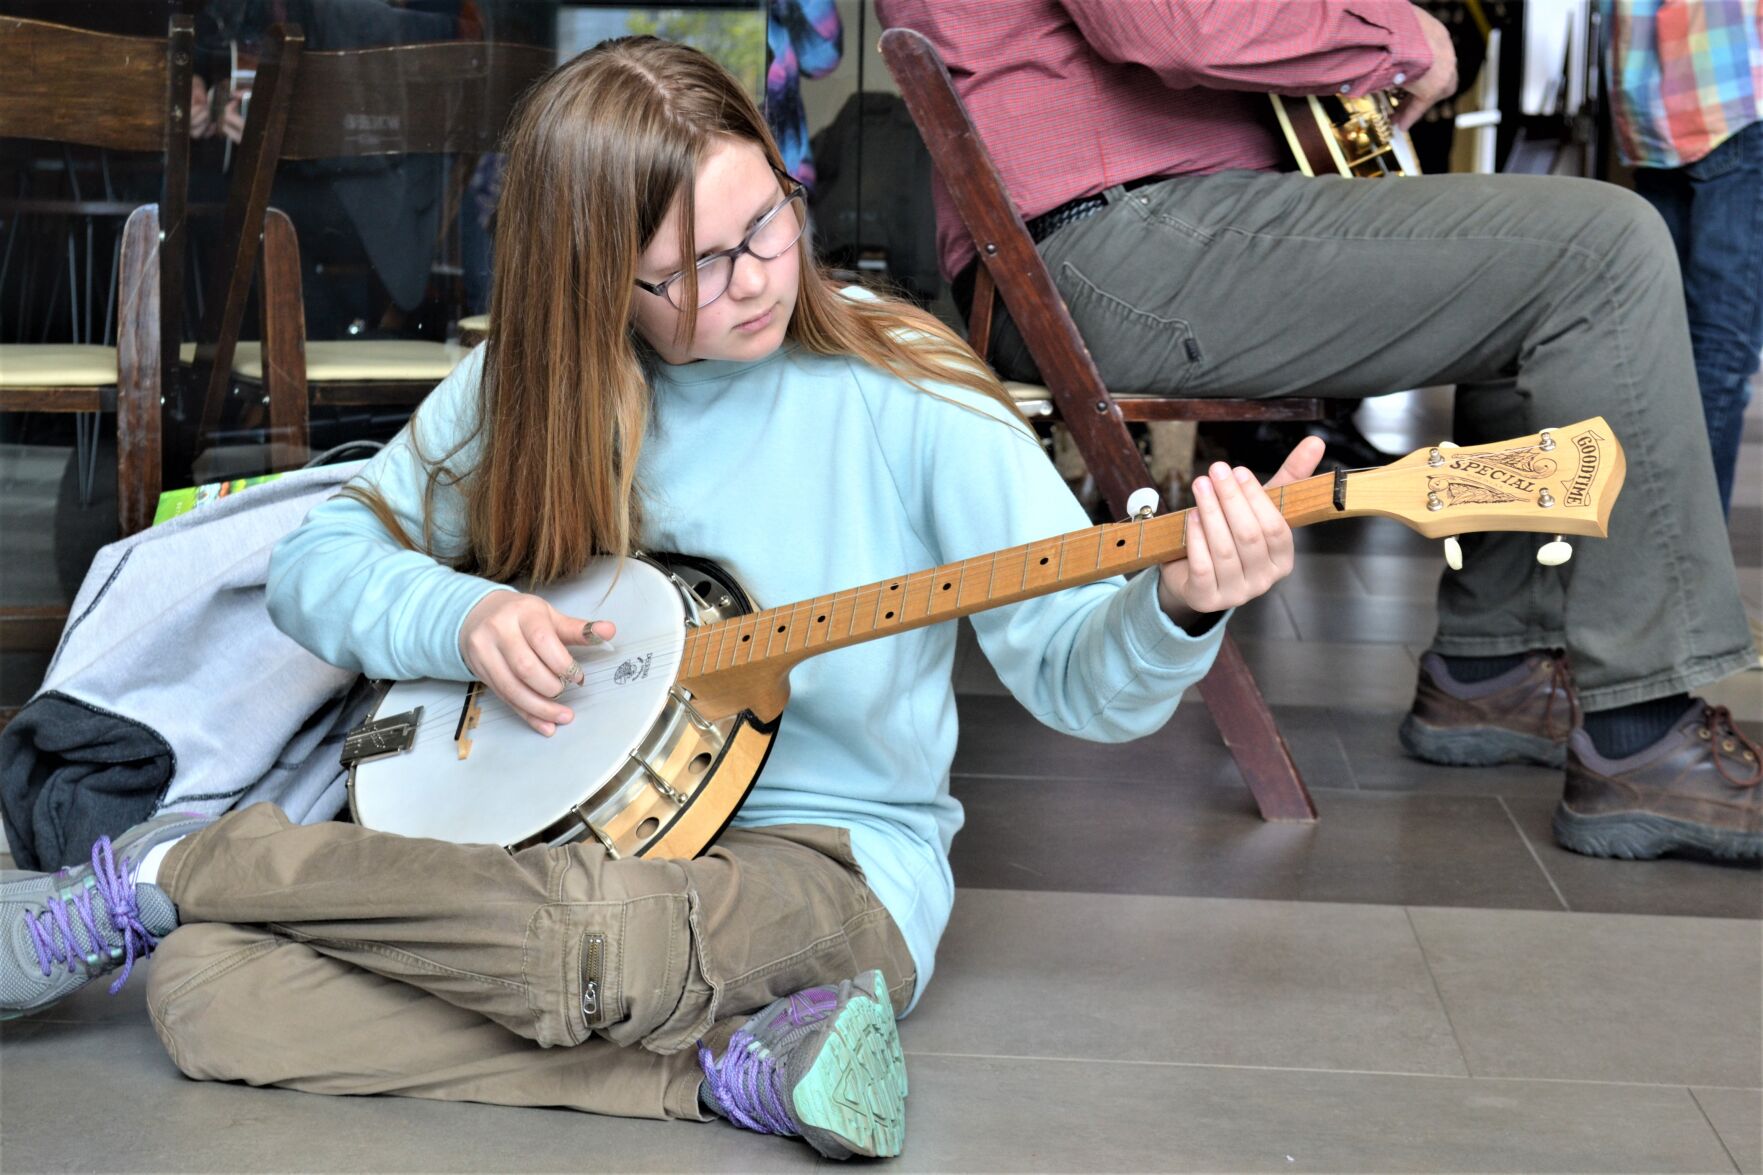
point(597, 153)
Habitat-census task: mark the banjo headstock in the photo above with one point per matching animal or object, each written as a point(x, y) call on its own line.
point(1556, 481)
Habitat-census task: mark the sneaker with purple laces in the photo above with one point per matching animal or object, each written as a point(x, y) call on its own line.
point(63, 929)
point(824, 1064)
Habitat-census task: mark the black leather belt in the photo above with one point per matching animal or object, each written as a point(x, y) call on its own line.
point(1048, 223)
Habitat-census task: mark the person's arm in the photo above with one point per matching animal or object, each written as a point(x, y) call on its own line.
point(343, 587)
point(1284, 46)
point(1102, 661)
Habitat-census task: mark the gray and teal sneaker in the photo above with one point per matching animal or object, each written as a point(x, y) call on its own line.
point(824, 1063)
point(59, 930)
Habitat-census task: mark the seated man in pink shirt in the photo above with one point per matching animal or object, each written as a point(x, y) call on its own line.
point(1138, 144)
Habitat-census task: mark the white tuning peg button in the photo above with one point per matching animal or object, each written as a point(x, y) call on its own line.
point(1555, 552)
point(1453, 554)
point(1449, 445)
point(1143, 503)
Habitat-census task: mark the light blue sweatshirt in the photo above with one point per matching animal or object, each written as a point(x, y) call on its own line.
point(802, 475)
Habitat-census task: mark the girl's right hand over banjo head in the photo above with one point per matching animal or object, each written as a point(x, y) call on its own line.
point(517, 644)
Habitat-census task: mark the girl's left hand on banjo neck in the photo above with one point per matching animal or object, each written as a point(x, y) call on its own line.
point(1239, 545)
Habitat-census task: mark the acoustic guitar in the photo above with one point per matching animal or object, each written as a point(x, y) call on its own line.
point(1334, 134)
point(680, 711)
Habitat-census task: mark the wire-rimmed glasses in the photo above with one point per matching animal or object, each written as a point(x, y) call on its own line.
point(777, 231)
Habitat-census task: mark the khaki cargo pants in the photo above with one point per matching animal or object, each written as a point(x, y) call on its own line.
point(334, 959)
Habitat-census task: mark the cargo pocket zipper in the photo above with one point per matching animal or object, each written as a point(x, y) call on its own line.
point(593, 952)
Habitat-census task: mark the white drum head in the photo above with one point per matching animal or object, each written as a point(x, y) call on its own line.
point(517, 782)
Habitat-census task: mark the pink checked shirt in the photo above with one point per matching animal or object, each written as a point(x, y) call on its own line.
point(1075, 96)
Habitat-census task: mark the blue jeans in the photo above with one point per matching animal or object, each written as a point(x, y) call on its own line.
point(1714, 209)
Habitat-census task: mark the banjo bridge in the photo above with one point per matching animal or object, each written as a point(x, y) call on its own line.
point(469, 716)
point(381, 737)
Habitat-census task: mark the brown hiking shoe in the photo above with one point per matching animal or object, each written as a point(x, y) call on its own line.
point(1522, 716)
point(1696, 788)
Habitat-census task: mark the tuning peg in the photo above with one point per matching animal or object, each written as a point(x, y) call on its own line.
point(1555, 552)
point(1449, 445)
point(1142, 504)
point(1453, 553)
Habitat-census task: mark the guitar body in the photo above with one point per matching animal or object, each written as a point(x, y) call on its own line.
point(640, 769)
point(1340, 135)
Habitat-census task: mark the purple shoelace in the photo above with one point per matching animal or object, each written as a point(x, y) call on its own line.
point(118, 892)
point(746, 1083)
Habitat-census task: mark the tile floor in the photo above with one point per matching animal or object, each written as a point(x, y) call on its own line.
point(1141, 975)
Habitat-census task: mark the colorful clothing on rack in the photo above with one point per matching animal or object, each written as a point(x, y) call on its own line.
point(1685, 76)
point(802, 37)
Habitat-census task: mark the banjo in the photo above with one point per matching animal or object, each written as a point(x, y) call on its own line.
point(682, 708)
point(1337, 134)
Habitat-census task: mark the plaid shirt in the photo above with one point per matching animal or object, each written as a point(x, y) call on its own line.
point(1686, 75)
point(1074, 96)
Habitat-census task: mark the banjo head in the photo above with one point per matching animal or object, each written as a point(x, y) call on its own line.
point(477, 773)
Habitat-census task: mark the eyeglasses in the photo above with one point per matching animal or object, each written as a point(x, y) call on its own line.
point(774, 235)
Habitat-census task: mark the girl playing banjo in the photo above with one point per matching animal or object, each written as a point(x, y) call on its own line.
point(670, 369)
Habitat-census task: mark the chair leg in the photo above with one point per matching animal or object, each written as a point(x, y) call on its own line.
point(1248, 730)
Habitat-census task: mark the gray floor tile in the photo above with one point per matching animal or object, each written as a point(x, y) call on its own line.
point(1180, 979)
point(1600, 997)
point(983, 1114)
point(1401, 577)
point(1737, 1115)
point(1362, 618)
point(1325, 573)
point(137, 1113)
point(1268, 618)
point(1322, 673)
point(1707, 889)
point(1742, 693)
point(1113, 836)
point(999, 737)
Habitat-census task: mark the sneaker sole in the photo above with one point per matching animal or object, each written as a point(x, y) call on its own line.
point(1478, 746)
point(856, 1088)
point(1641, 836)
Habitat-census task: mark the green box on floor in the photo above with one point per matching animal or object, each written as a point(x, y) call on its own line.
point(175, 502)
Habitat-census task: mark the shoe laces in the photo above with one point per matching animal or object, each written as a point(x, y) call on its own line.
point(1720, 731)
point(1560, 685)
point(52, 930)
point(748, 1082)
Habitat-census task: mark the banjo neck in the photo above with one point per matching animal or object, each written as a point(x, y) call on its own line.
point(1530, 483)
point(768, 642)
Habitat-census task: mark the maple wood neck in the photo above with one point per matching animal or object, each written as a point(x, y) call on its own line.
point(785, 635)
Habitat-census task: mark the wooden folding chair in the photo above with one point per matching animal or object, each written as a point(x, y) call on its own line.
point(450, 98)
point(1011, 267)
point(128, 93)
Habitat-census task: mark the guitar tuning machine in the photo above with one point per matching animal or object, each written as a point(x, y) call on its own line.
point(1547, 441)
point(1453, 553)
point(1555, 552)
point(1436, 455)
point(1143, 504)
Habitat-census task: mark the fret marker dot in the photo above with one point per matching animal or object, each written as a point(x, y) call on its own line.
point(781, 627)
point(746, 638)
point(945, 587)
point(820, 620)
point(1043, 560)
point(889, 616)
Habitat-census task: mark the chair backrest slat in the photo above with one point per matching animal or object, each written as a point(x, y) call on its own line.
point(71, 85)
point(438, 98)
